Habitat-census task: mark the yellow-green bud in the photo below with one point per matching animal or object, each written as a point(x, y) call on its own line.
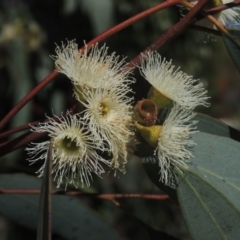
point(149, 133)
point(145, 112)
point(160, 99)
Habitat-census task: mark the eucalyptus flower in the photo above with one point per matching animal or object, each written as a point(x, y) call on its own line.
point(91, 67)
point(171, 141)
point(74, 150)
point(109, 116)
point(170, 84)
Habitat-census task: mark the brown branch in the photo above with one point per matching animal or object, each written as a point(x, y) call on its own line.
point(216, 22)
point(172, 32)
point(73, 110)
point(26, 138)
point(18, 129)
point(19, 142)
point(27, 98)
point(106, 196)
point(223, 7)
point(203, 29)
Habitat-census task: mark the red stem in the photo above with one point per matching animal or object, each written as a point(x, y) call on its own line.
point(99, 38)
point(17, 129)
point(19, 142)
point(27, 98)
point(97, 195)
point(28, 126)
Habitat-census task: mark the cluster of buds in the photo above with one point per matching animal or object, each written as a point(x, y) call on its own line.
point(103, 127)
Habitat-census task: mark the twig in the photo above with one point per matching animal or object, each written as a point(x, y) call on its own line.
point(106, 196)
point(222, 7)
point(18, 129)
point(204, 29)
point(172, 32)
point(212, 19)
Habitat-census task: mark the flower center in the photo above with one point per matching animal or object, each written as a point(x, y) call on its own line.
point(69, 144)
point(106, 107)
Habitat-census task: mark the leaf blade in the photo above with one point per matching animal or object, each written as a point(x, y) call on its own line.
point(70, 218)
point(204, 191)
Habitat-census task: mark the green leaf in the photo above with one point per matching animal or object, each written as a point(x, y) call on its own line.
point(209, 190)
point(232, 47)
point(70, 218)
point(213, 126)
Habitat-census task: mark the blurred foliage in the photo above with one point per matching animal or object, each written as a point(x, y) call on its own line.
point(29, 30)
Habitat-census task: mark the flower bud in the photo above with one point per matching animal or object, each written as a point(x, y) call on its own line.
point(149, 133)
point(145, 112)
point(160, 99)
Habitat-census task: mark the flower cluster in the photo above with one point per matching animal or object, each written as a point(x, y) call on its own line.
point(171, 88)
point(103, 126)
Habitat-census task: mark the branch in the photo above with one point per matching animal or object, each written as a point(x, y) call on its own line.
point(223, 7)
point(106, 196)
point(18, 129)
point(212, 19)
point(172, 32)
point(19, 142)
point(202, 29)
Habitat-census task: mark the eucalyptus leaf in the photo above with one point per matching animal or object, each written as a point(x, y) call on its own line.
point(209, 190)
point(213, 126)
point(232, 47)
point(70, 218)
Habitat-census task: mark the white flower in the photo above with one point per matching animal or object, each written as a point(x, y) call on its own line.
point(109, 116)
point(74, 150)
point(173, 84)
point(173, 141)
point(91, 67)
